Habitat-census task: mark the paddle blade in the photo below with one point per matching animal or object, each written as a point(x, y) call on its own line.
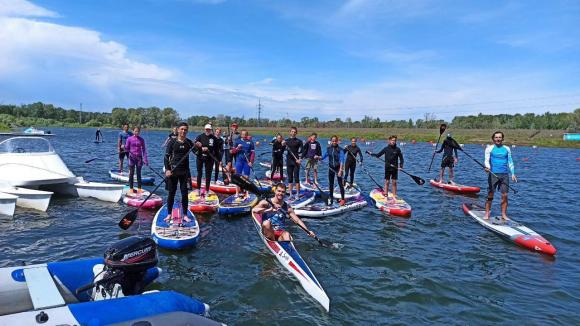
point(89, 161)
point(325, 243)
point(442, 128)
point(418, 180)
point(244, 183)
point(128, 219)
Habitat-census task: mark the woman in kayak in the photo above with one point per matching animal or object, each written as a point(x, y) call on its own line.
point(335, 164)
point(278, 157)
point(392, 155)
point(135, 147)
point(177, 149)
point(274, 216)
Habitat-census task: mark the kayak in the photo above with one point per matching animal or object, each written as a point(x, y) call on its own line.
point(321, 209)
point(288, 257)
point(349, 192)
point(455, 187)
point(304, 198)
point(175, 234)
point(511, 230)
point(236, 204)
point(216, 186)
point(124, 177)
point(397, 207)
point(137, 199)
point(206, 203)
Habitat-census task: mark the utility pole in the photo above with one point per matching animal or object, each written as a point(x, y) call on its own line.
point(81, 114)
point(259, 111)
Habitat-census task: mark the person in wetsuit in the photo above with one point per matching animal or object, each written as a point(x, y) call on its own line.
point(177, 150)
point(312, 151)
point(220, 149)
point(278, 157)
point(498, 160)
point(121, 140)
point(350, 153)
point(207, 143)
point(135, 146)
point(172, 135)
point(448, 160)
point(99, 135)
point(392, 156)
point(244, 150)
point(335, 157)
point(293, 159)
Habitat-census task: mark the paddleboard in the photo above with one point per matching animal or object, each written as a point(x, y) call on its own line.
point(455, 187)
point(321, 209)
point(511, 230)
point(136, 199)
point(312, 187)
point(236, 204)
point(304, 198)
point(217, 186)
point(276, 175)
point(124, 176)
point(206, 203)
point(397, 207)
point(176, 233)
point(349, 192)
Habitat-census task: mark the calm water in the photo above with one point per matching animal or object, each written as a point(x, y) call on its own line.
point(437, 267)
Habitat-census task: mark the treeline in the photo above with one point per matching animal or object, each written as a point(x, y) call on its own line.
point(153, 117)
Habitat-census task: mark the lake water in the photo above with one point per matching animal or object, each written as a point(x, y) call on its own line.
point(437, 267)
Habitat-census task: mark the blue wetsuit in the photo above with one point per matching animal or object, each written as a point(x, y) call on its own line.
point(242, 166)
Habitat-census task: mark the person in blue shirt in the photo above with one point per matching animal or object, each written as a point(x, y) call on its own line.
point(121, 141)
point(244, 151)
point(335, 156)
point(498, 160)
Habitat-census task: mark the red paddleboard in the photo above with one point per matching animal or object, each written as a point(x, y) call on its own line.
point(455, 187)
point(216, 186)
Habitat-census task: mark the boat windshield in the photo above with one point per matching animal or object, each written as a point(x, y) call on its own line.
point(26, 145)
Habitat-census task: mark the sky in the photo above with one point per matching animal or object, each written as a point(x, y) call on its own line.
point(392, 59)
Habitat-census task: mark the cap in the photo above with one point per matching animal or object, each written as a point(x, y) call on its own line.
point(208, 126)
point(234, 124)
point(449, 135)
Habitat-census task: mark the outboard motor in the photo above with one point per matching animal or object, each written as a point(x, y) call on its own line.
point(126, 263)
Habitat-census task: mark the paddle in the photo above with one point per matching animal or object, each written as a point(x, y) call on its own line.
point(418, 180)
point(155, 171)
point(454, 144)
point(130, 217)
point(323, 194)
point(442, 128)
point(364, 169)
point(245, 184)
point(96, 158)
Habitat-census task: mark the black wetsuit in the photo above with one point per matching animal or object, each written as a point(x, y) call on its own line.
point(99, 135)
point(277, 159)
point(294, 146)
point(448, 150)
point(204, 159)
point(350, 153)
point(230, 140)
point(334, 159)
point(219, 155)
point(392, 156)
point(174, 152)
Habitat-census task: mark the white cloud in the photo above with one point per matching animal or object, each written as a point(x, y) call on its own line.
point(23, 8)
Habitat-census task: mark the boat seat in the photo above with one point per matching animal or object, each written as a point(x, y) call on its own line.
point(42, 289)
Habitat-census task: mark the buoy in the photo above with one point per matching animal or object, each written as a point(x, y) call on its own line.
point(513, 146)
point(413, 141)
point(578, 159)
point(257, 143)
point(525, 159)
point(534, 147)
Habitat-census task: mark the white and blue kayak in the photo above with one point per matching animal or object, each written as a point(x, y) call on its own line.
point(321, 209)
point(304, 198)
point(176, 234)
point(288, 257)
point(237, 204)
point(124, 176)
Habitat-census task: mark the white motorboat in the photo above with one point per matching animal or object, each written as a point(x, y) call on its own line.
point(31, 169)
point(29, 198)
point(7, 204)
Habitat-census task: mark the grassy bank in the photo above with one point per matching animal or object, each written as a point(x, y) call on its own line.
point(520, 137)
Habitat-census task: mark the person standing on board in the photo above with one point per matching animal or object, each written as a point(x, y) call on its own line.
point(274, 217)
point(178, 173)
point(122, 139)
point(392, 156)
point(350, 152)
point(278, 157)
point(448, 160)
point(231, 138)
point(208, 145)
point(135, 147)
point(244, 150)
point(172, 135)
point(335, 164)
point(498, 160)
point(219, 154)
point(98, 135)
point(293, 160)
point(312, 151)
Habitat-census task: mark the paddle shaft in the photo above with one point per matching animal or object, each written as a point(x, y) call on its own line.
point(322, 193)
point(418, 180)
point(365, 170)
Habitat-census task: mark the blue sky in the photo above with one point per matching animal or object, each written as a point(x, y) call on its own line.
point(395, 59)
